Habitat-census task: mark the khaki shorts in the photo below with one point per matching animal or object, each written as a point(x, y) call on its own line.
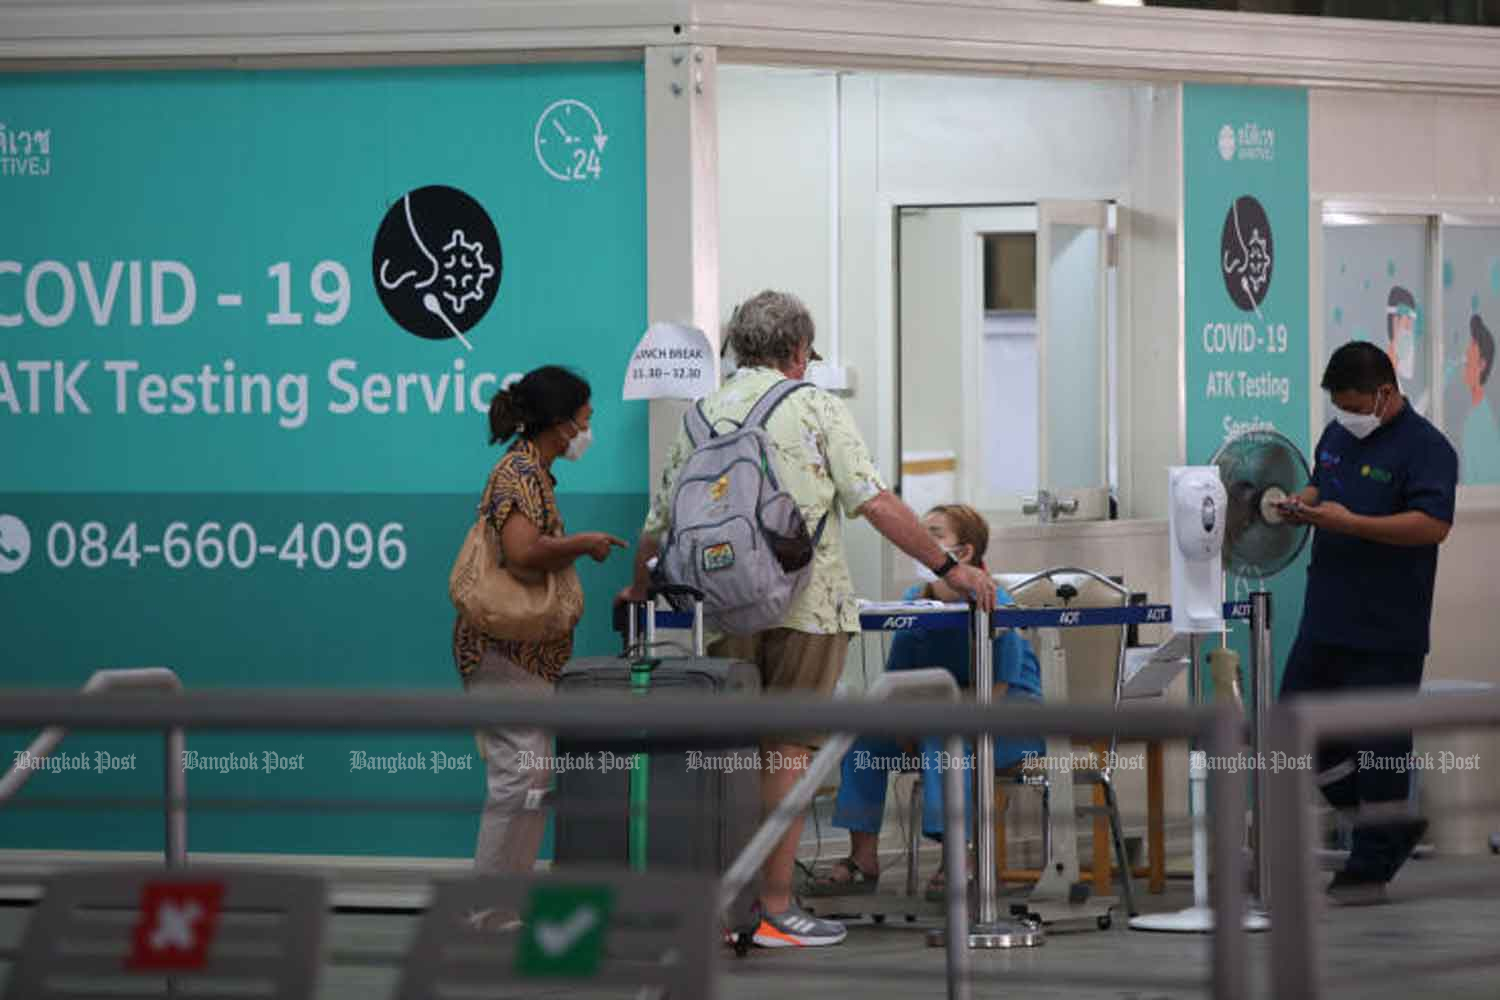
point(790, 661)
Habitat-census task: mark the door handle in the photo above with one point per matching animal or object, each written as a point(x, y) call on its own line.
point(1047, 506)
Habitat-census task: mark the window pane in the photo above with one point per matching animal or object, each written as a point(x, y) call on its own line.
point(1010, 406)
point(1471, 313)
point(1374, 287)
point(1010, 272)
point(1075, 360)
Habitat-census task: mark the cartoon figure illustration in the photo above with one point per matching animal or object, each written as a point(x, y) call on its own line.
point(1401, 345)
point(1480, 453)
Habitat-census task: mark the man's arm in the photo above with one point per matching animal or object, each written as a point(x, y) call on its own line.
point(648, 548)
point(658, 520)
point(889, 515)
point(1410, 528)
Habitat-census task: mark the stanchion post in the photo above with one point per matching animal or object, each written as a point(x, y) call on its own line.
point(984, 776)
point(1263, 694)
point(989, 931)
point(1295, 935)
point(176, 793)
point(1226, 795)
point(954, 860)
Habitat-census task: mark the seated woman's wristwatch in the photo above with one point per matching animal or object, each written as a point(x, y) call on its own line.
point(947, 566)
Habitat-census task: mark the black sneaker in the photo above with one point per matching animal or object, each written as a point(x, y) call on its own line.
point(1412, 834)
point(1349, 890)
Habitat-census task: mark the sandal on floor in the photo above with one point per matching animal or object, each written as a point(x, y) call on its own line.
point(937, 886)
point(854, 881)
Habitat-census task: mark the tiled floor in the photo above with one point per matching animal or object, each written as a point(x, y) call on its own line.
point(1436, 939)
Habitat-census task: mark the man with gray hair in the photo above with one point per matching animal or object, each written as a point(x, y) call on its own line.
point(822, 461)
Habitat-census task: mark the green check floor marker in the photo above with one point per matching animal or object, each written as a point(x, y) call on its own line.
point(564, 928)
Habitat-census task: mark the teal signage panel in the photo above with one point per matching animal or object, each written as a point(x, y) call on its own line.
point(1246, 272)
point(250, 324)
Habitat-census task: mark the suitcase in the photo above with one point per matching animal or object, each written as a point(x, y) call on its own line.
point(697, 818)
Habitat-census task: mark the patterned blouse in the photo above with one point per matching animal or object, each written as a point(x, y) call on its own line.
point(520, 483)
point(822, 462)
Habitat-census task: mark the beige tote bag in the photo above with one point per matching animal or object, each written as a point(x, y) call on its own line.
point(506, 604)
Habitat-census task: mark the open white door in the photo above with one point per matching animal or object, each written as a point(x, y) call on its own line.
point(1072, 306)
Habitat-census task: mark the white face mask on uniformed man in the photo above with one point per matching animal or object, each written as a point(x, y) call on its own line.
point(1361, 425)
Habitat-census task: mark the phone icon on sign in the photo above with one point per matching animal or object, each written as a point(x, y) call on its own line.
point(15, 543)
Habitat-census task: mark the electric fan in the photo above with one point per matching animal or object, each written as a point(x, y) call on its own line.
point(1258, 470)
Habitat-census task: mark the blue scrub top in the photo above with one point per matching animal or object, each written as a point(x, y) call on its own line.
point(1368, 595)
point(1015, 662)
point(1481, 441)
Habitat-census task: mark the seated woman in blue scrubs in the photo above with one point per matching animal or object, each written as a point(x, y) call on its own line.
point(964, 534)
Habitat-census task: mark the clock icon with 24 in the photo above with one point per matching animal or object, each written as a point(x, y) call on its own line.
point(570, 141)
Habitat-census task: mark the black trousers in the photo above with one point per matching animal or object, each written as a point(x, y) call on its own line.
point(1367, 770)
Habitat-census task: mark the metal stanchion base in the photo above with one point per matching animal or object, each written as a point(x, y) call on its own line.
point(1195, 920)
point(992, 937)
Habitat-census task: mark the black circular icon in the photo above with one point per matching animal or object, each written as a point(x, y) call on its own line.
point(1246, 253)
point(436, 262)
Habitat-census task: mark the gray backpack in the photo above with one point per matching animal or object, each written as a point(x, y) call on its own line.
point(736, 536)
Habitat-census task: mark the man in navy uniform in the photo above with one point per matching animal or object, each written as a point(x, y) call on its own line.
point(1381, 502)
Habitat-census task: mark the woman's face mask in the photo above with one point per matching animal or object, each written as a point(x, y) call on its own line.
point(579, 443)
point(925, 573)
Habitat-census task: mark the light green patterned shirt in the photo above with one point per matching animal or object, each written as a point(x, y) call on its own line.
point(821, 461)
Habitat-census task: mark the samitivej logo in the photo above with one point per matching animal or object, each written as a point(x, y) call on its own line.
point(1376, 473)
point(1247, 253)
point(1226, 142)
point(25, 152)
point(1250, 141)
point(437, 263)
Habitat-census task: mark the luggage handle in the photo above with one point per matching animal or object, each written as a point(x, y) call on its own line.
point(642, 651)
point(671, 590)
point(635, 642)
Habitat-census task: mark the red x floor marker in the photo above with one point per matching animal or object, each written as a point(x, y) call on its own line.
point(177, 925)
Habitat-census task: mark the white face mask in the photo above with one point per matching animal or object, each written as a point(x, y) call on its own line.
point(579, 444)
point(925, 573)
point(1361, 425)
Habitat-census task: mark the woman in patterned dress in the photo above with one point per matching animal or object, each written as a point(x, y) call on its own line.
point(549, 415)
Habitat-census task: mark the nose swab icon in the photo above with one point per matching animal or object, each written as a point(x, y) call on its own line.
point(430, 303)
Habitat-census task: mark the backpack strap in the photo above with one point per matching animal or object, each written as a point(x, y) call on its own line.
point(773, 397)
point(822, 523)
point(697, 425)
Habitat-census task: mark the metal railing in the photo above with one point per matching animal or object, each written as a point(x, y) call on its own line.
point(1295, 728)
point(174, 775)
point(696, 722)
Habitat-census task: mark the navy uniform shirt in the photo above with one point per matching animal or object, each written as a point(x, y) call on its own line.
point(1369, 595)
